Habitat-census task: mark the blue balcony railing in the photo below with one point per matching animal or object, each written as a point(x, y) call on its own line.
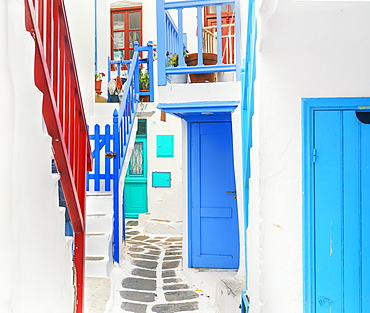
point(145, 62)
point(174, 39)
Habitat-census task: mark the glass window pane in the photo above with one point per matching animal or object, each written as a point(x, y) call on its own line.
point(136, 163)
point(134, 36)
point(118, 21)
point(118, 55)
point(134, 20)
point(118, 40)
point(212, 9)
point(131, 53)
point(141, 127)
point(232, 7)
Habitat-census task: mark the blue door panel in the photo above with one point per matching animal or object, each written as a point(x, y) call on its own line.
point(342, 218)
point(365, 218)
point(135, 190)
point(328, 220)
point(216, 212)
point(213, 211)
point(351, 212)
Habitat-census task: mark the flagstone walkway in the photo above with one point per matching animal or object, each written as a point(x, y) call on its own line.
point(152, 279)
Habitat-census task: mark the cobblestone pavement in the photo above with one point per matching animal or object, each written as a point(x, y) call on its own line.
point(153, 280)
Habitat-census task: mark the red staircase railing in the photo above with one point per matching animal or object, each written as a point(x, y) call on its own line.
point(56, 77)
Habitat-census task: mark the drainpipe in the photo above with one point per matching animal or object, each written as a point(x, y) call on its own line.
point(96, 35)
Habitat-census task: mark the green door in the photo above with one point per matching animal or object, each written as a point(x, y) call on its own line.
point(135, 192)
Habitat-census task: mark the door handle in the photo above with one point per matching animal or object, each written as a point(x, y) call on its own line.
point(234, 191)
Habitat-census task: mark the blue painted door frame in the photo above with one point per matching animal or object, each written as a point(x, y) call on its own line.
point(213, 216)
point(336, 202)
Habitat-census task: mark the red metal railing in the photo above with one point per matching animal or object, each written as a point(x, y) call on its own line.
point(56, 77)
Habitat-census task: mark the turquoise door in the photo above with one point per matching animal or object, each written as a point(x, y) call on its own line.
point(341, 213)
point(135, 191)
point(213, 215)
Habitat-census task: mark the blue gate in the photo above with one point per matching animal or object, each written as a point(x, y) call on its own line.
point(115, 141)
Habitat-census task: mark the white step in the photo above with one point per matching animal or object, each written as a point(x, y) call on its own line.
point(99, 223)
point(97, 266)
point(99, 203)
point(98, 244)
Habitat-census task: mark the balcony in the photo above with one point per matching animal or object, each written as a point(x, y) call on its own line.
point(218, 23)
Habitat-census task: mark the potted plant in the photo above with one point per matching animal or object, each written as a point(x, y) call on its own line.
point(98, 80)
point(144, 82)
point(173, 61)
point(208, 59)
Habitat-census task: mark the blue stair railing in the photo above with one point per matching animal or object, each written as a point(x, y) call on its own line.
point(245, 302)
point(116, 139)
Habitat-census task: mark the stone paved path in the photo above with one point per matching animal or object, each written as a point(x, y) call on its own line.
point(153, 280)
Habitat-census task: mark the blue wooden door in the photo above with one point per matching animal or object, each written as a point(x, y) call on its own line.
point(213, 218)
point(135, 192)
point(342, 213)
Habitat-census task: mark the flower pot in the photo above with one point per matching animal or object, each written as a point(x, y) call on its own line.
point(178, 79)
point(208, 59)
point(144, 98)
point(98, 86)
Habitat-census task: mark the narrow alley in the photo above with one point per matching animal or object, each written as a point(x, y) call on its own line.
point(151, 277)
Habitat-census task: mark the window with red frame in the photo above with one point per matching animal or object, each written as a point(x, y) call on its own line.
point(126, 28)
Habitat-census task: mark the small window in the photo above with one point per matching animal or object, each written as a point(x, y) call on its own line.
point(136, 161)
point(141, 127)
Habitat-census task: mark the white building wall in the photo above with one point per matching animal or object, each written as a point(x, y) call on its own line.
point(165, 203)
point(305, 49)
point(36, 263)
point(81, 22)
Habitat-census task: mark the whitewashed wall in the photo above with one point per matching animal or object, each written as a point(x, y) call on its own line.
point(305, 49)
point(36, 260)
point(81, 22)
point(165, 203)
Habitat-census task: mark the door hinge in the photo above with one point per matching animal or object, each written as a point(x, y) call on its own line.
point(314, 156)
point(110, 154)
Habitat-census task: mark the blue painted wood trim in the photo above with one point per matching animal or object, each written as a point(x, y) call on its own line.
point(219, 38)
point(107, 171)
point(116, 142)
point(200, 37)
point(199, 107)
point(190, 198)
point(194, 3)
point(206, 118)
point(201, 69)
point(308, 108)
point(252, 16)
point(244, 302)
point(180, 43)
point(247, 77)
point(161, 35)
point(96, 34)
point(97, 157)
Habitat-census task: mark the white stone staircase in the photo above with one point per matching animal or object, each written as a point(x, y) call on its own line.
point(99, 228)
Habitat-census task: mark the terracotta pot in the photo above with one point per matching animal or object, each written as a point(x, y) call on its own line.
point(144, 98)
point(208, 59)
point(98, 86)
